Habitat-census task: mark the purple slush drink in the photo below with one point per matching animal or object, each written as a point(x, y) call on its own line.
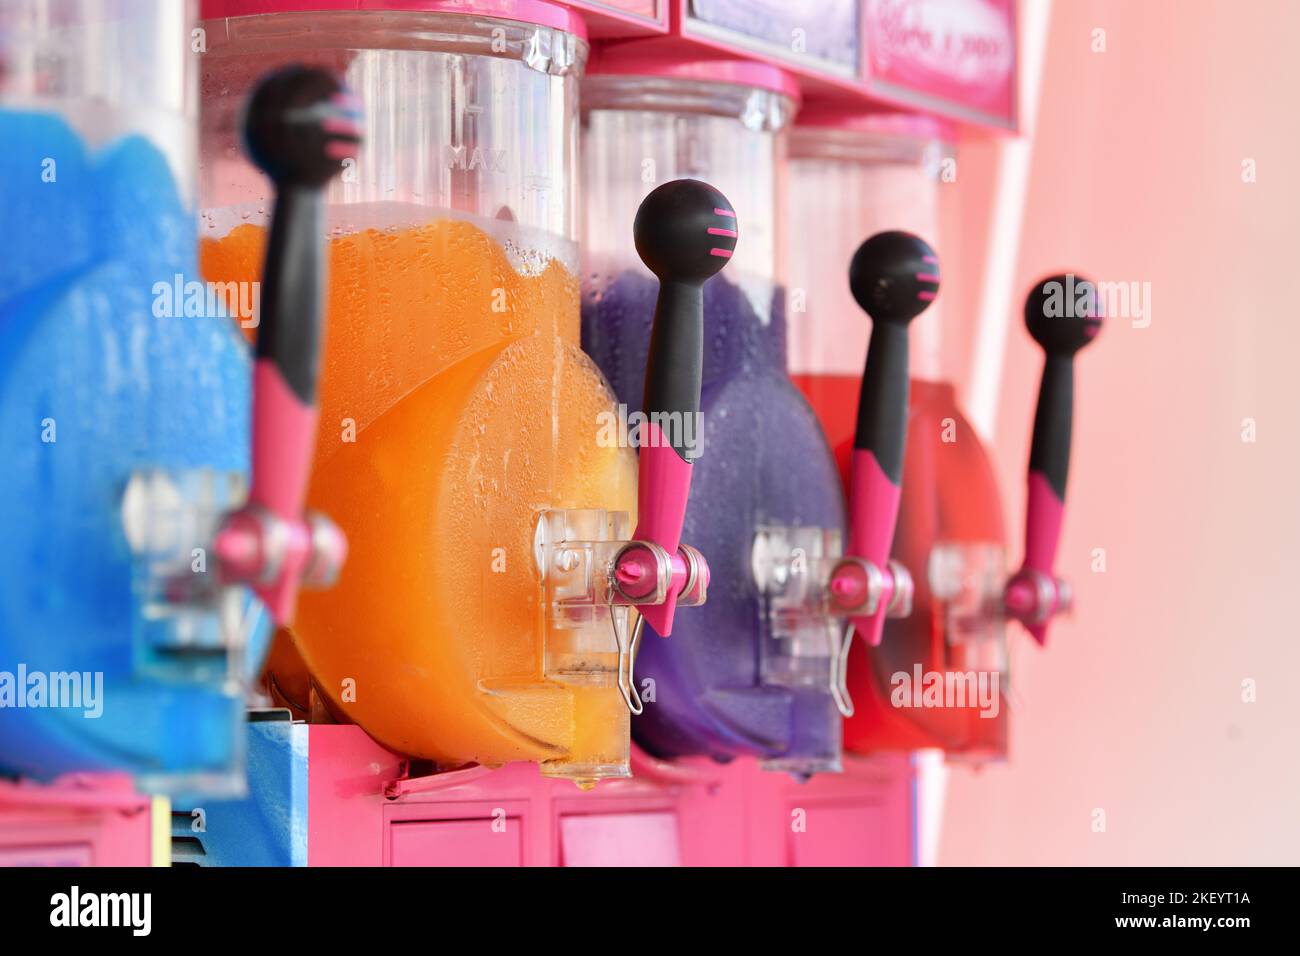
point(763, 461)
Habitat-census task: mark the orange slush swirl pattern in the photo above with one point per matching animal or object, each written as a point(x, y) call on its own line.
point(473, 408)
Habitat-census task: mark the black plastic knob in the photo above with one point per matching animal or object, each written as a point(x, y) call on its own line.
point(894, 276)
point(1063, 313)
point(685, 231)
point(301, 124)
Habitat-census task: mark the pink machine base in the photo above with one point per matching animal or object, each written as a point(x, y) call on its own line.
point(82, 820)
point(362, 811)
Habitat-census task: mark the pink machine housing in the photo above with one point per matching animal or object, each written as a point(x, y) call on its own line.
point(363, 810)
point(368, 806)
point(79, 820)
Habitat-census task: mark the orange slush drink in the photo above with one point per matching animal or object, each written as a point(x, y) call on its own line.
point(455, 405)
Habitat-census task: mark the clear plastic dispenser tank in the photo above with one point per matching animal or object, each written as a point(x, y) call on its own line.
point(758, 669)
point(124, 411)
point(459, 445)
point(854, 174)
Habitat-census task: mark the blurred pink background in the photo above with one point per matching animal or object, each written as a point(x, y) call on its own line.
point(1136, 707)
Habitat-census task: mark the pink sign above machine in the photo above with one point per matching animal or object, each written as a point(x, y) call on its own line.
point(613, 19)
point(952, 57)
point(819, 38)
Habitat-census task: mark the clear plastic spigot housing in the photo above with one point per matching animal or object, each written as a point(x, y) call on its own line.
point(587, 634)
point(967, 582)
point(801, 640)
point(575, 555)
point(190, 626)
point(792, 568)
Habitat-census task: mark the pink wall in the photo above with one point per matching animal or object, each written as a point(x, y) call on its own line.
point(1136, 706)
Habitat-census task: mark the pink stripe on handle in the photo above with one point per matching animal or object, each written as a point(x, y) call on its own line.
point(722, 253)
point(931, 260)
point(725, 212)
point(926, 277)
point(340, 124)
point(873, 516)
point(341, 149)
point(723, 232)
point(925, 296)
point(663, 487)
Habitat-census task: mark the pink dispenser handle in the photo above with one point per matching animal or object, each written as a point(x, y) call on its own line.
point(873, 517)
point(664, 485)
point(1033, 594)
point(685, 232)
point(1063, 315)
point(894, 276)
point(300, 127)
